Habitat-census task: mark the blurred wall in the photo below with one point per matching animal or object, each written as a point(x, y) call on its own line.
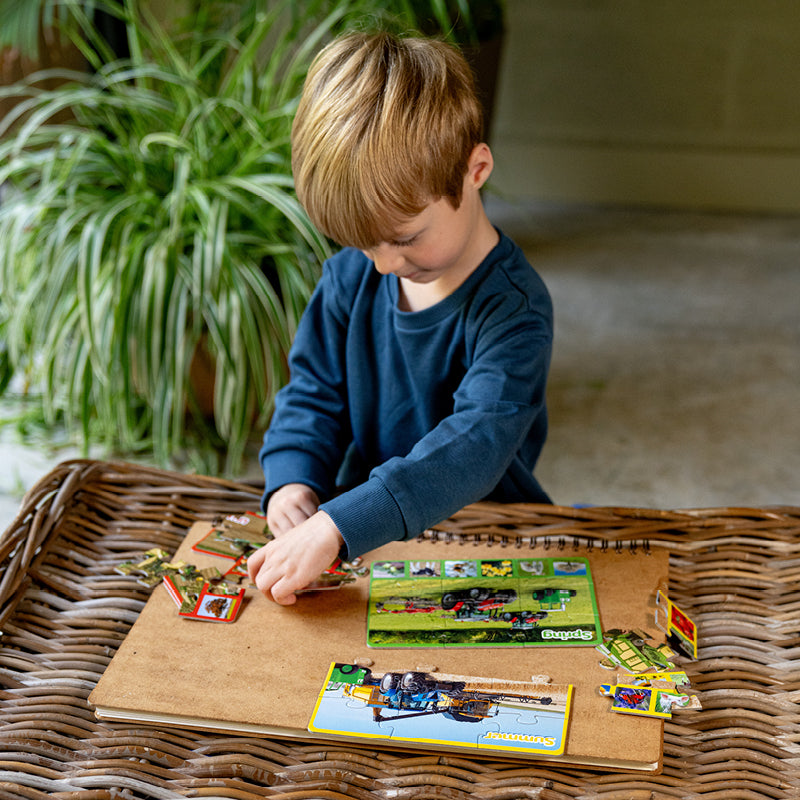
point(691, 103)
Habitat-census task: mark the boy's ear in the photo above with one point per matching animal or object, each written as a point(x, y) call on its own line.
point(480, 165)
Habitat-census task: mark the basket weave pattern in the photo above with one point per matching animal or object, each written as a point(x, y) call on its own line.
point(64, 611)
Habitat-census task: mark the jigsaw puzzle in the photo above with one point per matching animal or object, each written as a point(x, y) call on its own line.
point(204, 594)
point(237, 536)
point(473, 603)
point(453, 710)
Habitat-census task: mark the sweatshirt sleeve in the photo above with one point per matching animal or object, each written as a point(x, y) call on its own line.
point(499, 407)
point(309, 427)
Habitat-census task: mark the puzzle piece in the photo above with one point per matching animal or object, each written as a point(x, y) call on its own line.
point(502, 568)
point(578, 566)
point(461, 569)
point(185, 586)
point(337, 575)
point(425, 569)
point(488, 732)
point(152, 568)
point(213, 605)
point(235, 536)
point(238, 574)
point(389, 569)
point(676, 677)
point(648, 700)
point(680, 629)
point(534, 567)
point(527, 720)
point(188, 586)
point(632, 651)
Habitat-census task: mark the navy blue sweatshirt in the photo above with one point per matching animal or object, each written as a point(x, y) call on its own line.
point(398, 419)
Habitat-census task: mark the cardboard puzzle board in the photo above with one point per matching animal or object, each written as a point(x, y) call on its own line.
point(268, 667)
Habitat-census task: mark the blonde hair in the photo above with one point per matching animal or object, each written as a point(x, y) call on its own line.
point(385, 125)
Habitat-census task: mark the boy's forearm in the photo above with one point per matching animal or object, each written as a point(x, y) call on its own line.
point(367, 517)
point(446, 471)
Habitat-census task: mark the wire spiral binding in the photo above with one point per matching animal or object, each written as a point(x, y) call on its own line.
point(560, 543)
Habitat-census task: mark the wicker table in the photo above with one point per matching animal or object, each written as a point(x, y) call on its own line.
point(64, 611)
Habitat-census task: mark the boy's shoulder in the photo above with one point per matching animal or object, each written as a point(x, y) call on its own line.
point(348, 266)
point(509, 272)
point(346, 272)
point(348, 279)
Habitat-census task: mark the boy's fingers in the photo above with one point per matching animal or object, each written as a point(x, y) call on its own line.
point(283, 594)
point(284, 520)
point(270, 580)
point(289, 563)
point(279, 524)
point(254, 563)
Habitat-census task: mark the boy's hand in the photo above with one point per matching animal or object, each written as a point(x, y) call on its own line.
point(289, 506)
point(294, 559)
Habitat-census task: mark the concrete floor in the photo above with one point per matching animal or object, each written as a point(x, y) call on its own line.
point(675, 380)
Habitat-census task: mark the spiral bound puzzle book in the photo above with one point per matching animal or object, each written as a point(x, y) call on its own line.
point(264, 673)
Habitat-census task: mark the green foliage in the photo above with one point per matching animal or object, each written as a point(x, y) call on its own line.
point(160, 224)
point(157, 227)
point(21, 20)
point(464, 22)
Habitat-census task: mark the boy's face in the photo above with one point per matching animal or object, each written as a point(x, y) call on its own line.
point(441, 244)
point(426, 246)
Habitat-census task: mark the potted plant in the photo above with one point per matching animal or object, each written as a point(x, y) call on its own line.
point(154, 235)
point(158, 228)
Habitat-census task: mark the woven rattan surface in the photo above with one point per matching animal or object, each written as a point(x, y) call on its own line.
point(64, 611)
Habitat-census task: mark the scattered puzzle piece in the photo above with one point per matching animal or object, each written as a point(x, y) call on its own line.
point(189, 587)
point(237, 536)
point(631, 650)
point(680, 629)
point(648, 701)
point(337, 575)
point(213, 605)
point(209, 594)
point(676, 677)
point(152, 567)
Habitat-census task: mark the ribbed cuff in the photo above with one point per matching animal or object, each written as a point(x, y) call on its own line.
point(293, 467)
point(367, 517)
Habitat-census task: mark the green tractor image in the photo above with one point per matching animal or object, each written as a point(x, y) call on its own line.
point(631, 651)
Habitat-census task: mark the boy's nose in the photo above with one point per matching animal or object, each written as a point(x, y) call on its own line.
point(387, 260)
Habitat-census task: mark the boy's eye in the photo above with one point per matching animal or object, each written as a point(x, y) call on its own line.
point(404, 242)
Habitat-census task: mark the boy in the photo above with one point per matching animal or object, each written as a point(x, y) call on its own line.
point(418, 370)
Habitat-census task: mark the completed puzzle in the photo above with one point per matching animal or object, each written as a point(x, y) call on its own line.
point(437, 709)
point(503, 602)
